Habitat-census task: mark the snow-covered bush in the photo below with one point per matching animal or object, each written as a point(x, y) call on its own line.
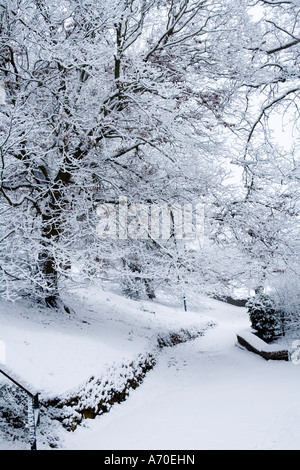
point(286, 298)
point(277, 312)
point(264, 317)
point(13, 412)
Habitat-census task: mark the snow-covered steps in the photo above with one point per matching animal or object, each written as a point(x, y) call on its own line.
point(249, 340)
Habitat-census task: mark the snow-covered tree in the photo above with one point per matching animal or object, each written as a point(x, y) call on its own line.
point(144, 100)
point(103, 100)
point(265, 218)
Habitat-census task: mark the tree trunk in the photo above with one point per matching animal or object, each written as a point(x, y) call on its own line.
point(48, 266)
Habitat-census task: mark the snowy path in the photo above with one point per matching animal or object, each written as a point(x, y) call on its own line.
point(205, 394)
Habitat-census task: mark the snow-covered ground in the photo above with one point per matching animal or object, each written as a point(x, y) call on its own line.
point(203, 394)
point(56, 352)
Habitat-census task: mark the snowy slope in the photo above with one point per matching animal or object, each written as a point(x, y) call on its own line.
point(55, 352)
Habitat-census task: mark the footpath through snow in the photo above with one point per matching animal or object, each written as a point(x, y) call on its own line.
point(204, 394)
